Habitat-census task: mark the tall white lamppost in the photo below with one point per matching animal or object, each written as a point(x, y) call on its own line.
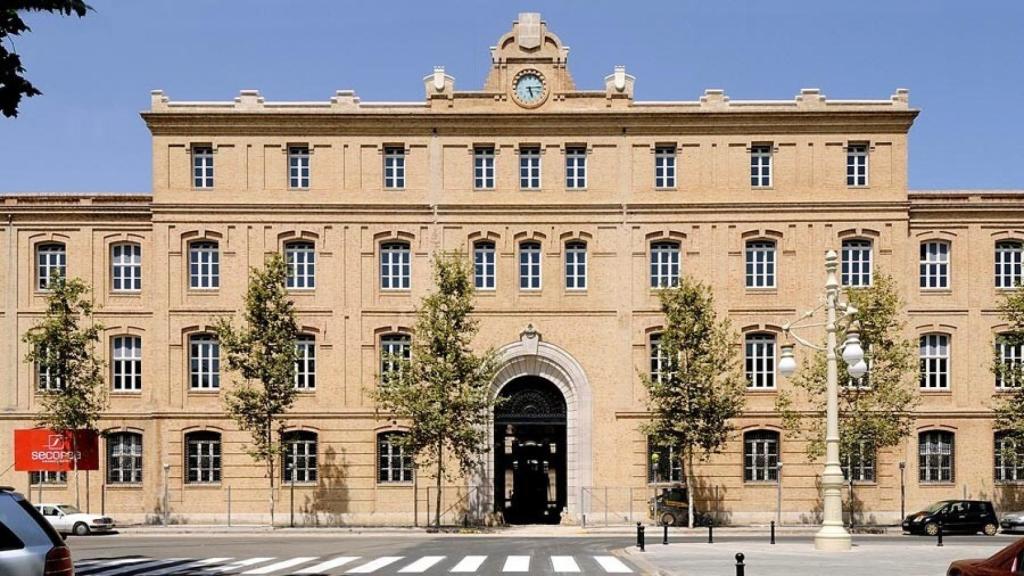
point(832, 536)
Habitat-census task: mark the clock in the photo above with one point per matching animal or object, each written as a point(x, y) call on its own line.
point(529, 88)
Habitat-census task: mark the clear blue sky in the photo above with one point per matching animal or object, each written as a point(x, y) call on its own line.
point(962, 61)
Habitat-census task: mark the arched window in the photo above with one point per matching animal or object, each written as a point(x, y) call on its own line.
point(51, 260)
point(856, 264)
point(664, 264)
point(1009, 458)
point(761, 456)
point(393, 349)
point(305, 363)
point(760, 264)
point(936, 454)
point(126, 267)
point(203, 265)
point(759, 359)
point(1009, 263)
point(576, 265)
point(204, 362)
point(934, 358)
point(126, 363)
point(395, 266)
point(298, 459)
point(484, 266)
point(934, 264)
point(393, 463)
point(124, 458)
point(300, 258)
point(202, 457)
point(529, 266)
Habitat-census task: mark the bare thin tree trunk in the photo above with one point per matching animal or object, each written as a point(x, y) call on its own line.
point(74, 463)
point(440, 475)
point(689, 488)
point(270, 472)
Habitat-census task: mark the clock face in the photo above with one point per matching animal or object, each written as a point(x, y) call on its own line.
point(529, 88)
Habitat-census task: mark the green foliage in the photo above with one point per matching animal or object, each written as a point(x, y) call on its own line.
point(876, 411)
point(442, 393)
point(1009, 406)
point(65, 349)
point(13, 84)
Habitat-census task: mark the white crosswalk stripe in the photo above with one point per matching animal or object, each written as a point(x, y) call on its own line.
point(101, 564)
point(239, 564)
point(328, 565)
point(613, 565)
point(138, 567)
point(469, 564)
point(421, 565)
point(374, 565)
point(564, 564)
point(271, 568)
point(516, 564)
point(189, 566)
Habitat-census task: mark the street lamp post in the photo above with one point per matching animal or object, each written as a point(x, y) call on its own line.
point(778, 494)
point(832, 535)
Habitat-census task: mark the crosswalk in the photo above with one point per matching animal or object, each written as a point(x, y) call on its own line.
point(341, 565)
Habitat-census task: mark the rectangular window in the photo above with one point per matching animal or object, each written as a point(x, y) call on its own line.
point(1009, 264)
point(395, 349)
point(300, 462)
point(204, 362)
point(202, 166)
point(305, 364)
point(51, 261)
point(856, 265)
point(126, 267)
point(665, 167)
point(664, 464)
point(483, 168)
point(761, 456)
point(1009, 459)
point(761, 166)
point(660, 362)
point(394, 464)
point(45, 381)
point(124, 458)
point(203, 458)
point(760, 360)
point(203, 266)
point(760, 268)
point(395, 266)
point(576, 266)
point(575, 167)
point(859, 464)
point(484, 266)
point(934, 265)
point(529, 266)
point(664, 264)
point(37, 478)
point(935, 456)
point(1010, 350)
point(934, 358)
point(300, 258)
point(857, 165)
point(529, 168)
point(394, 167)
point(127, 364)
point(298, 167)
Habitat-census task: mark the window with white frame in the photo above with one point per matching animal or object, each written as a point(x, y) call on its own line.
point(484, 265)
point(935, 456)
point(203, 265)
point(124, 458)
point(395, 266)
point(760, 360)
point(665, 167)
point(529, 266)
point(660, 363)
point(298, 457)
point(529, 168)
point(1009, 264)
point(663, 463)
point(126, 267)
point(1010, 369)
point(857, 165)
point(1009, 458)
point(202, 166)
point(394, 463)
point(204, 362)
point(300, 258)
point(856, 264)
point(126, 365)
point(760, 265)
point(576, 265)
point(395, 349)
point(761, 456)
point(576, 167)
point(202, 457)
point(858, 463)
point(934, 264)
point(51, 261)
point(761, 166)
point(934, 357)
point(45, 380)
point(47, 477)
point(394, 167)
point(664, 264)
point(305, 362)
point(483, 168)
point(298, 167)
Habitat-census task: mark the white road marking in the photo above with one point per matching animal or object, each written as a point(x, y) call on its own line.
point(516, 564)
point(612, 565)
point(100, 564)
point(469, 564)
point(374, 565)
point(325, 566)
point(189, 566)
point(281, 565)
point(421, 565)
point(564, 564)
point(239, 564)
point(149, 563)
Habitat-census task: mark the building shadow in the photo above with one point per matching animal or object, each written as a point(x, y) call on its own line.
point(329, 503)
point(709, 504)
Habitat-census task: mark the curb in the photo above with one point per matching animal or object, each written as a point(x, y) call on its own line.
point(637, 559)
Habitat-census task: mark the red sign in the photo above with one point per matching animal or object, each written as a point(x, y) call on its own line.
point(43, 450)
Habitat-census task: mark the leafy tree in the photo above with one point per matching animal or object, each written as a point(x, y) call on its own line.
point(263, 352)
point(442, 391)
point(1009, 408)
point(64, 351)
point(875, 411)
point(13, 84)
point(699, 389)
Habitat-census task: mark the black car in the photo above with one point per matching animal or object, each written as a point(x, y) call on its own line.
point(963, 516)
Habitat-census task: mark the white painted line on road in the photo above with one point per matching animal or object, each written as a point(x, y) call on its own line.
point(134, 567)
point(612, 565)
point(239, 564)
point(421, 565)
point(281, 565)
point(469, 564)
point(100, 564)
point(564, 564)
point(189, 566)
point(375, 565)
point(328, 565)
point(517, 564)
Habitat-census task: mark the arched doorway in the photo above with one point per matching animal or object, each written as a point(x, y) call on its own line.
point(530, 473)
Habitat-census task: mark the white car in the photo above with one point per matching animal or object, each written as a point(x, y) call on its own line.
point(67, 519)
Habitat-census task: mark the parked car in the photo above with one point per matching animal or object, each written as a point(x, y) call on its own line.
point(1007, 562)
point(1012, 521)
point(67, 519)
point(29, 546)
point(963, 516)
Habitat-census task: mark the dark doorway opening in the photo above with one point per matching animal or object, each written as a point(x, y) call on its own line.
point(530, 452)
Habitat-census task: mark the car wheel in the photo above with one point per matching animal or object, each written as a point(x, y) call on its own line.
point(931, 528)
point(81, 529)
point(990, 529)
point(668, 519)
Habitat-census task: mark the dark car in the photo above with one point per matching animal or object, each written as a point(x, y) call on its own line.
point(962, 516)
point(1007, 562)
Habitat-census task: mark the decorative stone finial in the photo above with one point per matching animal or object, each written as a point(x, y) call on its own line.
point(528, 34)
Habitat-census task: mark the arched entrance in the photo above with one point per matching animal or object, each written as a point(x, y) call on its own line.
point(530, 480)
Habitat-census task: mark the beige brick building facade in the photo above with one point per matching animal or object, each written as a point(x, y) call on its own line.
point(575, 204)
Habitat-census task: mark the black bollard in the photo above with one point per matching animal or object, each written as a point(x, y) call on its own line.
point(740, 566)
point(773, 532)
point(664, 536)
point(711, 533)
point(940, 534)
point(640, 536)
